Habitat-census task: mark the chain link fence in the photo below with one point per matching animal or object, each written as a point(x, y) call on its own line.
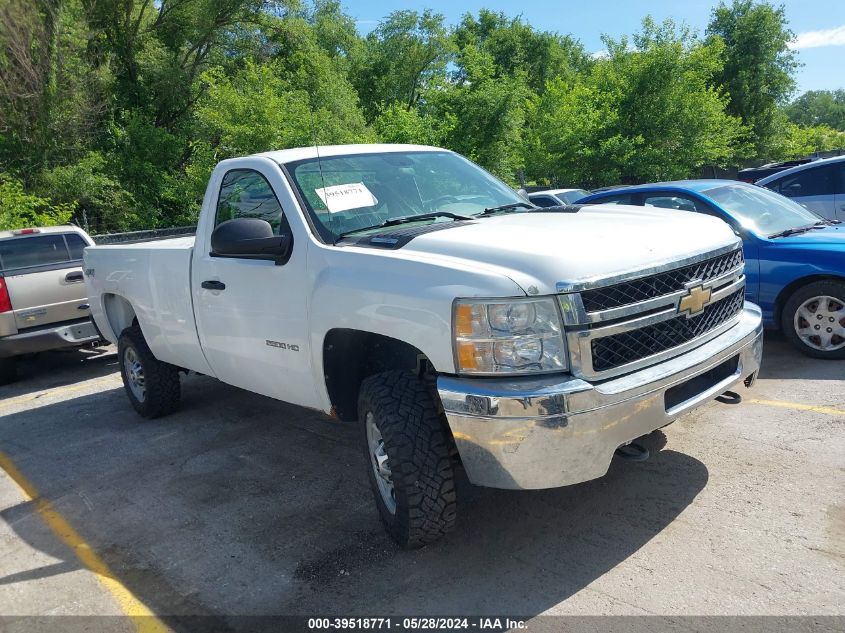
point(144, 236)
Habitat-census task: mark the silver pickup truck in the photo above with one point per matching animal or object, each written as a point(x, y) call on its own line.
point(43, 302)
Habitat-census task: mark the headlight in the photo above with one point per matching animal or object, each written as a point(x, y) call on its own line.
point(512, 336)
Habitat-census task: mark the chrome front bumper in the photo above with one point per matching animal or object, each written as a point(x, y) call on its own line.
point(558, 430)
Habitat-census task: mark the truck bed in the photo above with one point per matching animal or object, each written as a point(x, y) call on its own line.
point(157, 277)
point(172, 243)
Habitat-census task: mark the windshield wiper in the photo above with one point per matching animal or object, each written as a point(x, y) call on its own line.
point(799, 229)
point(405, 219)
point(505, 207)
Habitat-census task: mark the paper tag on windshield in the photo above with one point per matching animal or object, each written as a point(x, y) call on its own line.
point(338, 198)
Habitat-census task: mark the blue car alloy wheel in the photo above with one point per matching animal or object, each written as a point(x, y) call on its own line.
point(814, 318)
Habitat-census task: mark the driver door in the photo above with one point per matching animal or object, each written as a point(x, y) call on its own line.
point(813, 188)
point(251, 314)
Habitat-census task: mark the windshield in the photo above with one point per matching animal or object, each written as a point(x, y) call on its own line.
point(761, 211)
point(570, 197)
point(349, 193)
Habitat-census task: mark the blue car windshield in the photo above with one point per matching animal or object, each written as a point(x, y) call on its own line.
point(760, 210)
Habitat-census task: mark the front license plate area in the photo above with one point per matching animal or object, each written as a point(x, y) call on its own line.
point(692, 388)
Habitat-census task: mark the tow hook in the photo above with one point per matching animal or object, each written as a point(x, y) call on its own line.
point(729, 397)
point(632, 452)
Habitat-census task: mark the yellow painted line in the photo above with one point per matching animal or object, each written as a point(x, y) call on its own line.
point(10, 403)
point(145, 621)
point(799, 407)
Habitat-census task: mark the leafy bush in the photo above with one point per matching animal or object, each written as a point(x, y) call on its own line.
point(645, 112)
point(102, 203)
point(19, 209)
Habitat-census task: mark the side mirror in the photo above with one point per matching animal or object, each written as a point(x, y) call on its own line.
point(522, 193)
point(250, 238)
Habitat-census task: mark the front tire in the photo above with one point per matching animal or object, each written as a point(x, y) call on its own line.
point(152, 386)
point(813, 319)
point(407, 446)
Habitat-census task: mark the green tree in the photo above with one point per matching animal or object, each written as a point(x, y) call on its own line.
point(52, 100)
point(397, 124)
point(100, 202)
point(646, 112)
point(19, 209)
point(160, 48)
point(335, 32)
point(819, 107)
point(489, 114)
point(518, 48)
point(801, 141)
point(119, 109)
point(407, 54)
point(758, 69)
point(261, 108)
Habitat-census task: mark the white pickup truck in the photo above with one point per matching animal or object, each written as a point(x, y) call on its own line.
point(405, 288)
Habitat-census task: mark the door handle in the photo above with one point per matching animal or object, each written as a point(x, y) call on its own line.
point(73, 277)
point(213, 285)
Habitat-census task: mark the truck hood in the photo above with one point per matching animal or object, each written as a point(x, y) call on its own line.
point(553, 251)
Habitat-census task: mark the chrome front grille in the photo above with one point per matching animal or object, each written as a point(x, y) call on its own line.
point(627, 347)
point(646, 318)
point(653, 286)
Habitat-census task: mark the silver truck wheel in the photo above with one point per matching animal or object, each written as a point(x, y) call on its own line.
point(152, 386)
point(380, 464)
point(813, 319)
point(134, 373)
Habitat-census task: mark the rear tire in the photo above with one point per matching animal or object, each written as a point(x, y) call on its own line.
point(8, 370)
point(409, 462)
point(813, 319)
point(152, 386)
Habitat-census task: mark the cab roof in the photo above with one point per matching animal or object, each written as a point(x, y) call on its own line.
point(304, 153)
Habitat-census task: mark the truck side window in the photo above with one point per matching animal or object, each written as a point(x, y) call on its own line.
point(75, 245)
point(813, 181)
point(247, 194)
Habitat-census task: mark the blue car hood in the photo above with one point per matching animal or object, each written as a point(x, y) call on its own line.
point(830, 237)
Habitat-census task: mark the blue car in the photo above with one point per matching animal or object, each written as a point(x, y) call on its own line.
point(794, 259)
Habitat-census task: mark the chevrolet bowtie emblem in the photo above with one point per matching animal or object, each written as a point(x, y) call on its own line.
point(694, 301)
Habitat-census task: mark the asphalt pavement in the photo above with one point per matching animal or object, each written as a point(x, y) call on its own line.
point(241, 505)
